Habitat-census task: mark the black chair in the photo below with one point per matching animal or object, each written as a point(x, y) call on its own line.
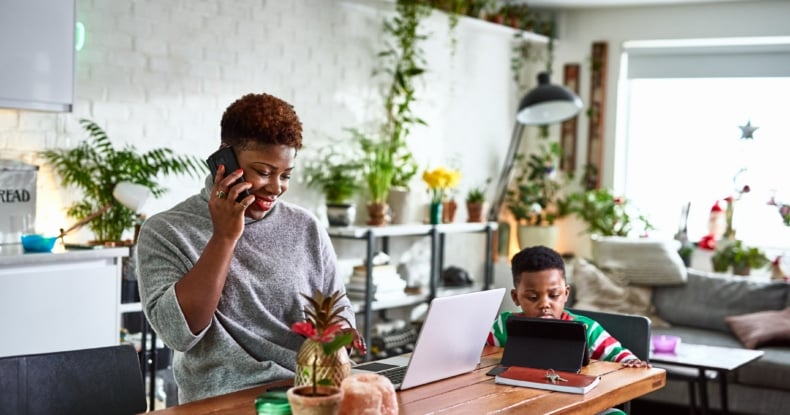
point(100, 381)
point(633, 332)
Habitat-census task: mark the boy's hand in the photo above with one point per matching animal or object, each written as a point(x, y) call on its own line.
point(636, 363)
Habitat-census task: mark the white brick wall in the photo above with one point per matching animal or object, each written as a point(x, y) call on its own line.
point(156, 73)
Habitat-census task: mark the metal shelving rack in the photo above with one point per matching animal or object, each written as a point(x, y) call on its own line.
point(373, 235)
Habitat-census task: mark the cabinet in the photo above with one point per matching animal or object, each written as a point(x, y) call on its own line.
point(65, 300)
point(37, 54)
point(378, 238)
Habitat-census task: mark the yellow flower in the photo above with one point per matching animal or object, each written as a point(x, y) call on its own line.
point(439, 180)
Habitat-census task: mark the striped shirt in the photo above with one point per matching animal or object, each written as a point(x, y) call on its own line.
point(602, 345)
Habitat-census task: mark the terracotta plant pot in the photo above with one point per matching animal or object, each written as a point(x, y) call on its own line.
point(326, 401)
point(377, 214)
point(474, 211)
point(448, 211)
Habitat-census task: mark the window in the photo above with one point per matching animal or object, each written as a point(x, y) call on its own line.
point(681, 106)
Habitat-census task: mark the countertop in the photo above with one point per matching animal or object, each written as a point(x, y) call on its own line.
point(13, 254)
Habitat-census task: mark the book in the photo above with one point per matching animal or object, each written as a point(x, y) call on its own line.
point(536, 378)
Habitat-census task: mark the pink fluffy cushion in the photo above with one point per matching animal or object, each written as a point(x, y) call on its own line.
point(368, 393)
point(761, 328)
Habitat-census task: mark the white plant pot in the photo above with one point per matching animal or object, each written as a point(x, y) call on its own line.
point(341, 214)
point(537, 235)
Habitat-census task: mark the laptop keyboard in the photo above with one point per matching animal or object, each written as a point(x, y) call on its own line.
point(395, 375)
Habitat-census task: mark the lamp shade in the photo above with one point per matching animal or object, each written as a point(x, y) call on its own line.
point(547, 103)
point(131, 195)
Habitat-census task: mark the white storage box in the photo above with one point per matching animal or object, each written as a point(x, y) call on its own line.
point(17, 200)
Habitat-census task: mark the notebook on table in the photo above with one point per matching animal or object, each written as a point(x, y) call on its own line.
point(449, 344)
point(545, 344)
point(528, 377)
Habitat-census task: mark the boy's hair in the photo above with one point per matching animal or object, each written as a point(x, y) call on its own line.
point(534, 259)
point(260, 119)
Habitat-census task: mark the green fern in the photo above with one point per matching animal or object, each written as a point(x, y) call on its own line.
point(95, 166)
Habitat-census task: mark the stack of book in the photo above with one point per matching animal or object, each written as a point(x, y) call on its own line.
point(528, 377)
point(386, 284)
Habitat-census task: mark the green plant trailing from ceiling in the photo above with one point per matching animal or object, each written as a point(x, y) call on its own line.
point(96, 167)
point(402, 62)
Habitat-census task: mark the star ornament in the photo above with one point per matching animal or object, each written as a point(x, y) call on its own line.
point(747, 131)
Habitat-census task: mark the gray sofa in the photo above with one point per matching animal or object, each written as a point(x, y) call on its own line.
point(696, 312)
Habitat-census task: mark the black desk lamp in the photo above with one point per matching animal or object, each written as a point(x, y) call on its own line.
point(544, 104)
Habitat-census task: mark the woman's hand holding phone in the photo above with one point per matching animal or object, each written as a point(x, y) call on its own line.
point(227, 215)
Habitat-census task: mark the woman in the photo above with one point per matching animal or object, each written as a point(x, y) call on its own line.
point(220, 278)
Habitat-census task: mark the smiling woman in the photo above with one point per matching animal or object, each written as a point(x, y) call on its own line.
point(220, 279)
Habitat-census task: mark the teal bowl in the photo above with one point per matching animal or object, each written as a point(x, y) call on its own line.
point(38, 243)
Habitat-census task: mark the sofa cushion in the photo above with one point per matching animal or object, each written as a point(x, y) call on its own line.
point(707, 298)
point(761, 328)
point(642, 261)
point(772, 370)
point(599, 291)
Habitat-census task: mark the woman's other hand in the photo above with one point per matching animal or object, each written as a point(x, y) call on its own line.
point(227, 215)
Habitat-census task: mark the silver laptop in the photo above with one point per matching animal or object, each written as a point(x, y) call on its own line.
point(449, 344)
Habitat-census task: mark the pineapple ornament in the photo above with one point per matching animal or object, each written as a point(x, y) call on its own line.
point(322, 359)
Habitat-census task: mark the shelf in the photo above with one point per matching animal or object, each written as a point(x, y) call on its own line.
point(380, 235)
point(359, 232)
point(404, 301)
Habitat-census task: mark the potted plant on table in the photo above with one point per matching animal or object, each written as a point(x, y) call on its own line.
point(378, 167)
point(439, 180)
point(740, 257)
point(475, 202)
point(339, 177)
point(322, 361)
point(534, 199)
point(604, 213)
point(95, 167)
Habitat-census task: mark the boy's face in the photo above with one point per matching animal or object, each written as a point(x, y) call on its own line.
point(541, 294)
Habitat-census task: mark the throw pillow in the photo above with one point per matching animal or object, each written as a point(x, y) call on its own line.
point(597, 290)
point(761, 328)
point(642, 261)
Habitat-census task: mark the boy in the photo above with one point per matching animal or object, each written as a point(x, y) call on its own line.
point(541, 291)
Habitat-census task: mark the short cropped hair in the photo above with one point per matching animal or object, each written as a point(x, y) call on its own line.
point(534, 259)
point(260, 119)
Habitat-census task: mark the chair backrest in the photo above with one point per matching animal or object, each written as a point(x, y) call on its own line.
point(633, 331)
point(99, 381)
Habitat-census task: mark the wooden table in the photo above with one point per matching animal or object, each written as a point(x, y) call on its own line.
point(476, 393)
point(704, 358)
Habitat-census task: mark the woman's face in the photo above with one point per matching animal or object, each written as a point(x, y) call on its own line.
point(541, 294)
point(268, 167)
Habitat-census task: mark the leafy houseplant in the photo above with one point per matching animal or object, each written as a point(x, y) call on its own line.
point(475, 202)
point(741, 258)
point(96, 167)
point(604, 213)
point(337, 175)
point(534, 198)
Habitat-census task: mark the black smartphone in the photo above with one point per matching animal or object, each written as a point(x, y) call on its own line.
point(226, 157)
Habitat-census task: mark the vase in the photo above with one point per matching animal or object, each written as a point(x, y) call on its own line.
point(334, 367)
point(400, 201)
point(448, 211)
point(341, 214)
point(435, 213)
point(326, 401)
point(377, 214)
point(474, 211)
point(529, 235)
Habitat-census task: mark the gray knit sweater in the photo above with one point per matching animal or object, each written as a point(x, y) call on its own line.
point(249, 341)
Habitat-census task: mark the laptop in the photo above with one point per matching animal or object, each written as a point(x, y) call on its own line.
point(449, 344)
point(544, 344)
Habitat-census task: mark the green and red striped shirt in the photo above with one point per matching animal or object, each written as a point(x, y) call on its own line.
point(602, 345)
